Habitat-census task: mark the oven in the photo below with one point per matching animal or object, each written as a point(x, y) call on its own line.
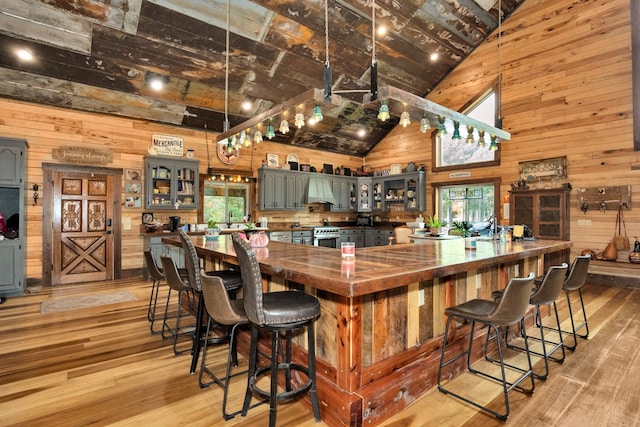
point(326, 236)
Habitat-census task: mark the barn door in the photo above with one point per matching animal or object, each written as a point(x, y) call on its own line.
point(82, 227)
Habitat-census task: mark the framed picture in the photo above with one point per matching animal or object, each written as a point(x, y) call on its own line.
point(147, 217)
point(132, 174)
point(133, 202)
point(544, 169)
point(272, 160)
point(133, 187)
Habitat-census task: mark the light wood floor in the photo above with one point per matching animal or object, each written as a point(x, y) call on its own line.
point(101, 366)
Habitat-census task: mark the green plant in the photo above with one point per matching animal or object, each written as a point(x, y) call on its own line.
point(463, 228)
point(212, 223)
point(434, 222)
point(251, 225)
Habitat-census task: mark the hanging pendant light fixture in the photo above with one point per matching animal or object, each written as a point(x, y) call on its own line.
point(257, 137)
point(493, 146)
point(405, 119)
point(383, 114)
point(456, 131)
point(469, 134)
point(424, 125)
point(442, 129)
point(284, 127)
point(481, 140)
point(270, 133)
point(299, 120)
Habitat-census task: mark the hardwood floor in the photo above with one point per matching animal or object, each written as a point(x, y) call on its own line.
point(101, 366)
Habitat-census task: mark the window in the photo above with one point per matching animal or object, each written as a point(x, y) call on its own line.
point(224, 198)
point(453, 153)
point(473, 201)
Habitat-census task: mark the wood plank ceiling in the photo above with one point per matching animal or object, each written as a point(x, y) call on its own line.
point(100, 56)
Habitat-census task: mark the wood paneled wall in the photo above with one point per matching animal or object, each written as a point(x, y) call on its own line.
point(567, 91)
point(46, 128)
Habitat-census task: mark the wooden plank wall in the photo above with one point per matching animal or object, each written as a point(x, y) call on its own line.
point(567, 91)
point(46, 128)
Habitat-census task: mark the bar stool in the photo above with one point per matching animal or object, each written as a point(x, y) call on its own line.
point(510, 309)
point(225, 311)
point(574, 281)
point(276, 313)
point(175, 283)
point(157, 276)
point(232, 281)
point(546, 294)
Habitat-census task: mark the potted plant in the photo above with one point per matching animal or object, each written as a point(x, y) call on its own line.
point(213, 227)
point(435, 225)
point(463, 228)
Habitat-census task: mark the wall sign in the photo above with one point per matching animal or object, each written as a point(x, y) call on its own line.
point(166, 145)
point(83, 155)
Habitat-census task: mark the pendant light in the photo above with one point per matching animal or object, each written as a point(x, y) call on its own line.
point(456, 131)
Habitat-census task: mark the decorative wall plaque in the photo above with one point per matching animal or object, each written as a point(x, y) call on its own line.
point(166, 145)
point(83, 155)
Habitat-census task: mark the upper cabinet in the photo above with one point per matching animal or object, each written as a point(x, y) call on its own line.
point(171, 183)
point(289, 190)
point(396, 193)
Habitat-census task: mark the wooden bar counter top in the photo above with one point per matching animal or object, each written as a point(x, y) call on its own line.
point(382, 313)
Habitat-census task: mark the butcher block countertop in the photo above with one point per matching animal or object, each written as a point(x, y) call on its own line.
point(375, 268)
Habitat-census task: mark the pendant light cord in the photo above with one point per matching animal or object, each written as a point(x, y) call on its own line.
point(500, 63)
point(373, 32)
point(225, 126)
point(326, 32)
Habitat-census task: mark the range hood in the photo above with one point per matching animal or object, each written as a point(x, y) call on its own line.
point(320, 190)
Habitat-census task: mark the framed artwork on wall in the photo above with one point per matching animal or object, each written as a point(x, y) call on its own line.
point(133, 187)
point(544, 169)
point(272, 160)
point(133, 202)
point(132, 174)
point(147, 217)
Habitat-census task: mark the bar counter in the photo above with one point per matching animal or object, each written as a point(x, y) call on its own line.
point(380, 331)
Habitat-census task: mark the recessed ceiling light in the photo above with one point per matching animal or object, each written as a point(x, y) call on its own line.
point(156, 84)
point(24, 54)
point(434, 56)
point(361, 133)
point(382, 30)
point(246, 105)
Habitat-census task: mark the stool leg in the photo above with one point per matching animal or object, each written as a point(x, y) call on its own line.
point(253, 356)
point(273, 401)
point(152, 308)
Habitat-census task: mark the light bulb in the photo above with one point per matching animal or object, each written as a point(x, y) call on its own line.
point(299, 120)
point(424, 125)
point(405, 119)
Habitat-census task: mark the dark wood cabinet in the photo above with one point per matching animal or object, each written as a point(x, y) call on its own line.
point(545, 212)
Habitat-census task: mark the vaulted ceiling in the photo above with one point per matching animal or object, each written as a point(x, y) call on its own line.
point(101, 55)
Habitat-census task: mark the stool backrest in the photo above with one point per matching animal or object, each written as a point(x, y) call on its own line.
point(218, 303)
point(402, 233)
point(171, 274)
point(578, 273)
point(192, 261)
point(251, 280)
point(513, 304)
point(551, 285)
point(152, 268)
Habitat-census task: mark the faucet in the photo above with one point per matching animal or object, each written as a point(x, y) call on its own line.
point(229, 222)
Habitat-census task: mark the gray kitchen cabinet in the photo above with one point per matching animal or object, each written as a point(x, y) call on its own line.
point(344, 191)
point(303, 237)
point(296, 190)
point(364, 192)
point(403, 192)
point(13, 153)
point(157, 248)
point(355, 235)
point(377, 236)
point(273, 189)
point(171, 183)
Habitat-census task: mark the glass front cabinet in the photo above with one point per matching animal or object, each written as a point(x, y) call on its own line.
point(171, 183)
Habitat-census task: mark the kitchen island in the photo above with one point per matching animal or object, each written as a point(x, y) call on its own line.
point(380, 331)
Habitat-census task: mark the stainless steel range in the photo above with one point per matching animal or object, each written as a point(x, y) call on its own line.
point(326, 236)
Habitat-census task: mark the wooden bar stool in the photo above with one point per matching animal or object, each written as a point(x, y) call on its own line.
point(276, 313)
point(509, 310)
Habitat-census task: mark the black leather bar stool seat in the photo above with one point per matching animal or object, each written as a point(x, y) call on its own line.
point(509, 310)
point(277, 313)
